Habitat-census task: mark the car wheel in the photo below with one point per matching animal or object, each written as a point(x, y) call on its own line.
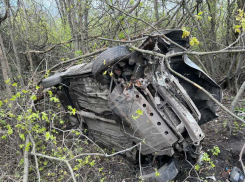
point(106, 59)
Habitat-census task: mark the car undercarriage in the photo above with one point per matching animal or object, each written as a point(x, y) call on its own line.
point(126, 98)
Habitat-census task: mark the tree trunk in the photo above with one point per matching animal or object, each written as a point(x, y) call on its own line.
point(85, 29)
point(72, 23)
point(13, 43)
point(4, 69)
point(27, 37)
point(212, 11)
point(239, 64)
point(60, 7)
point(6, 61)
point(68, 10)
point(156, 9)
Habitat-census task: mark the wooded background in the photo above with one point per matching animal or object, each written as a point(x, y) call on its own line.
point(39, 38)
point(36, 35)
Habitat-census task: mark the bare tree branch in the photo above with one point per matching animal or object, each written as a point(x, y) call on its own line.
point(76, 58)
point(240, 158)
point(26, 161)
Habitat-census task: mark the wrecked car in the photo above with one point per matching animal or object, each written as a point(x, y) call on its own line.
point(126, 98)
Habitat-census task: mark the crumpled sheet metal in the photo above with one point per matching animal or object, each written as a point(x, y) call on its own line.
point(144, 122)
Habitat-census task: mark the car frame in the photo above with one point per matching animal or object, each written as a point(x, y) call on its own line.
point(127, 99)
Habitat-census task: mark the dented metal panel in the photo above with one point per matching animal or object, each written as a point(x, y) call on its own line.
point(144, 121)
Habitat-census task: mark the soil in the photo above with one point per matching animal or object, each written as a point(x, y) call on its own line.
point(229, 145)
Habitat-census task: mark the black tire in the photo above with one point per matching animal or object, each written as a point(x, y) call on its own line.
point(111, 56)
point(52, 81)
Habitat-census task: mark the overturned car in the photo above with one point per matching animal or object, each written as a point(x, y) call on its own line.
point(127, 98)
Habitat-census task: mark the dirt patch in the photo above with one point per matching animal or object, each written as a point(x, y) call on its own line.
point(229, 146)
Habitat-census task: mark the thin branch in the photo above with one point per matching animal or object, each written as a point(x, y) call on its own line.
point(187, 52)
point(134, 17)
point(57, 159)
point(214, 52)
point(163, 18)
point(107, 155)
point(35, 157)
point(71, 171)
point(26, 161)
point(134, 6)
point(49, 49)
point(55, 45)
point(240, 158)
point(76, 58)
point(3, 131)
point(122, 41)
point(240, 36)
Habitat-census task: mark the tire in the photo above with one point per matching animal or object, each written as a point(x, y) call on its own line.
point(111, 56)
point(52, 81)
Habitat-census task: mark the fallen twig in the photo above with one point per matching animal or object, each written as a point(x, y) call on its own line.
point(57, 159)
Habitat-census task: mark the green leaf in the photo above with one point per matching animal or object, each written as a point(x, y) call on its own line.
point(197, 167)
point(33, 97)
point(135, 117)
point(54, 99)
point(139, 112)
point(45, 117)
point(157, 173)
point(24, 91)
point(70, 108)
point(105, 72)
point(27, 148)
point(21, 146)
point(185, 33)
point(198, 17)
point(74, 111)
point(22, 136)
point(121, 35)
point(13, 98)
point(92, 163)
point(194, 41)
point(200, 13)
point(7, 81)
point(14, 84)
point(18, 94)
point(47, 136)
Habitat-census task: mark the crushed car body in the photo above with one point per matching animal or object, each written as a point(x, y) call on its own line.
point(126, 98)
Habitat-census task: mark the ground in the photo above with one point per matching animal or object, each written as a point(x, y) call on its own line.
point(118, 169)
point(229, 146)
